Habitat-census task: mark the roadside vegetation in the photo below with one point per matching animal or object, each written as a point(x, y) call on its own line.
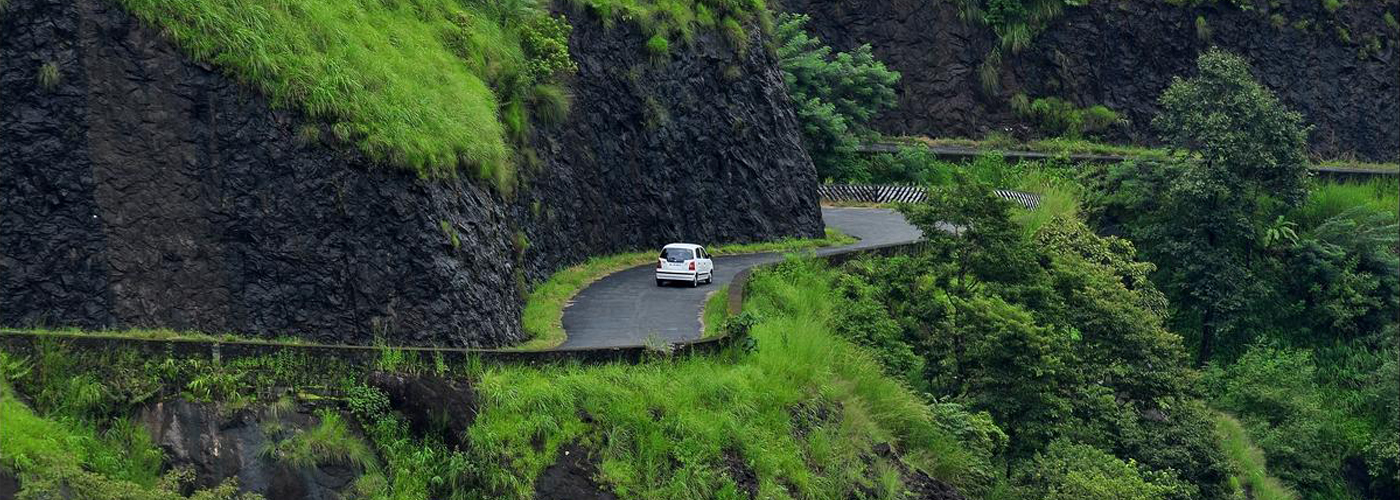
point(544, 308)
point(800, 408)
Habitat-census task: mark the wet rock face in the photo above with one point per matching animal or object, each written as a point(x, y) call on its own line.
point(218, 445)
point(659, 151)
point(1124, 57)
point(145, 190)
point(432, 405)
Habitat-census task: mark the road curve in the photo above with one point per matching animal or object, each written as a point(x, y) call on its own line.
point(625, 307)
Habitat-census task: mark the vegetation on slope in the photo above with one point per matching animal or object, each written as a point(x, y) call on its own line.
point(436, 86)
point(75, 449)
point(1287, 288)
point(803, 410)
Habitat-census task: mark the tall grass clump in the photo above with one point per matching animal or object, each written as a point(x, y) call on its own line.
point(1327, 199)
point(61, 455)
point(803, 411)
point(1251, 474)
point(330, 442)
point(422, 84)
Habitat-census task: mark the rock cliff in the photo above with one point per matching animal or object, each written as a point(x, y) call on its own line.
point(1123, 55)
point(141, 189)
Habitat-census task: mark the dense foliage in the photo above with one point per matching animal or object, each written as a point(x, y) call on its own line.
point(1057, 333)
point(1288, 288)
point(835, 94)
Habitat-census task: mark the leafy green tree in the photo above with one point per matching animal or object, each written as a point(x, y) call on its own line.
point(835, 94)
point(972, 226)
point(1236, 145)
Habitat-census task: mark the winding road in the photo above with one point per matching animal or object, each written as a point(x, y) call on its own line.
point(624, 308)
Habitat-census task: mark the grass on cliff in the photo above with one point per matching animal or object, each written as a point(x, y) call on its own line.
point(436, 86)
point(544, 308)
point(803, 412)
point(409, 82)
point(1251, 477)
point(65, 454)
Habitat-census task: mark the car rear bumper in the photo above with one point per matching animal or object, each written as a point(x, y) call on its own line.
point(676, 275)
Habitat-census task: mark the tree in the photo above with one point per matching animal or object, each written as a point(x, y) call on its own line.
point(972, 226)
point(835, 94)
point(1235, 144)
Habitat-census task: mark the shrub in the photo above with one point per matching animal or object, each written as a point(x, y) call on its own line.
point(658, 46)
point(1071, 471)
point(1060, 117)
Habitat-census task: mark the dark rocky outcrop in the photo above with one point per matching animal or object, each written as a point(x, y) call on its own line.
point(1123, 55)
point(145, 190)
point(218, 445)
point(432, 405)
point(571, 477)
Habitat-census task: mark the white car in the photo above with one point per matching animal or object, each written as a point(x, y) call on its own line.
point(684, 262)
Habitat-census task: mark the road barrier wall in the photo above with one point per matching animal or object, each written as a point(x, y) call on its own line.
point(880, 193)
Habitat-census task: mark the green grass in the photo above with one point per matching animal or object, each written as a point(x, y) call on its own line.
point(1251, 478)
point(716, 311)
point(329, 442)
point(1329, 199)
point(679, 20)
point(662, 429)
point(61, 452)
point(1059, 197)
point(544, 308)
point(418, 83)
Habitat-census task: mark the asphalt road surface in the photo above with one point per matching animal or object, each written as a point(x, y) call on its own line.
point(624, 308)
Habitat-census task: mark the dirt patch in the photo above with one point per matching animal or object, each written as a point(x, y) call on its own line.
point(571, 478)
point(810, 414)
point(741, 473)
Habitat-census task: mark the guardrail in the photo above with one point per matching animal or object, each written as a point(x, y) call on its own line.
point(963, 153)
point(21, 341)
point(880, 193)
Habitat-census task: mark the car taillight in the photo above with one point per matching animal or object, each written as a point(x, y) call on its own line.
point(692, 265)
point(658, 263)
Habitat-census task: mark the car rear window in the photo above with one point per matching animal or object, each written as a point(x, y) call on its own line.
point(677, 254)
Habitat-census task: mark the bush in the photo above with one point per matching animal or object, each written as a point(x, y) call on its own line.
point(1059, 117)
point(1274, 394)
point(1070, 471)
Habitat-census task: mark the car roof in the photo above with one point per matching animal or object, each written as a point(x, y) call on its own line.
point(691, 246)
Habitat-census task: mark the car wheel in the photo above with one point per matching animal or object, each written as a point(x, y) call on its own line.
point(710, 278)
point(660, 282)
point(694, 282)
